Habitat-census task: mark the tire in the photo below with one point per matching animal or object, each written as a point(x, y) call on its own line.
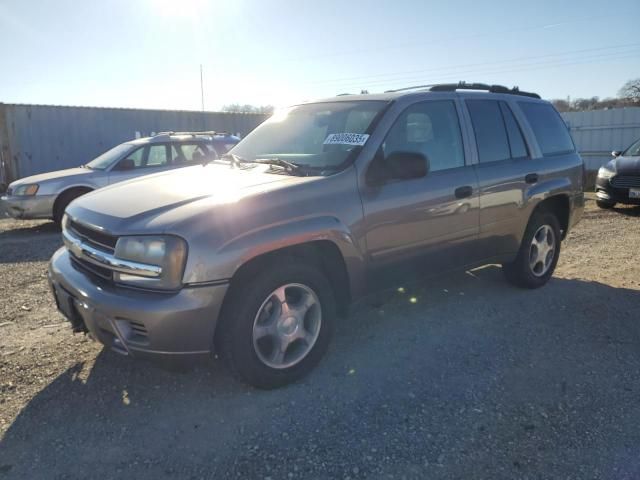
point(529, 269)
point(254, 303)
point(605, 204)
point(63, 201)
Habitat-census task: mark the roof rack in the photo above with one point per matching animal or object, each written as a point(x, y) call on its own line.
point(193, 134)
point(452, 87)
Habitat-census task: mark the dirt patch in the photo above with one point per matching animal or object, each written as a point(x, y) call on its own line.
point(457, 378)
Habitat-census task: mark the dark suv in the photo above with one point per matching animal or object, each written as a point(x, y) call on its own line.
point(256, 255)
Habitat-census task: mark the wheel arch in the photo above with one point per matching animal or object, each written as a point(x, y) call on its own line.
point(560, 206)
point(82, 189)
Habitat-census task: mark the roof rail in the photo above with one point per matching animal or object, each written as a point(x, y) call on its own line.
point(452, 87)
point(193, 134)
point(417, 87)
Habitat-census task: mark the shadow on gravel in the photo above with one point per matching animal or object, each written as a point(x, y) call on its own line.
point(459, 378)
point(34, 243)
point(38, 229)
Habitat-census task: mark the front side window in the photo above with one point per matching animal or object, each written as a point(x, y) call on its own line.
point(107, 158)
point(432, 129)
point(315, 135)
point(550, 130)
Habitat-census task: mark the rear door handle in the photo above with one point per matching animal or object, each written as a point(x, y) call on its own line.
point(531, 178)
point(463, 192)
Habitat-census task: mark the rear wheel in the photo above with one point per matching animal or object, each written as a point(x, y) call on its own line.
point(278, 324)
point(539, 252)
point(63, 201)
point(605, 204)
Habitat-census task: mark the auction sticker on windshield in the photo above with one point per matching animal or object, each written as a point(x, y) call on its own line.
point(357, 139)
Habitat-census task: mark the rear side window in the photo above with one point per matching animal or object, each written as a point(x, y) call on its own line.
point(548, 127)
point(491, 135)
point(516, 141)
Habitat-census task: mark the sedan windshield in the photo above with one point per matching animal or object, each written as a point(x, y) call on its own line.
point(633, 150)
point(317, 136)
point(107, 158)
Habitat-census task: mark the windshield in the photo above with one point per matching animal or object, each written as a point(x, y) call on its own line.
point(633, 150)
point(107, 158)
point(317, 135)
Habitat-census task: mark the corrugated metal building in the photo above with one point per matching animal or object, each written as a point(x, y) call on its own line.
point(41, 138)
point(598, 132)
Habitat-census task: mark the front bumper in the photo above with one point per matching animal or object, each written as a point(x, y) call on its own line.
point(605, 191)
point(33, 207)
point(139, 323)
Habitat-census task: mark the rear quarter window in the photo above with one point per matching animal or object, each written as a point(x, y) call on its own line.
point(550, 130)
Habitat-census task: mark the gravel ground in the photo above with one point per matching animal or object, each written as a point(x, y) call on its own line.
point(475, 380)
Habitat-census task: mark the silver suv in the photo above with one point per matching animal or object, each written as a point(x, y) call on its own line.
point(47, 195)
point(257, 254)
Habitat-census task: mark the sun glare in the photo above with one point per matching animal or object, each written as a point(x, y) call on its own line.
point(182, 8)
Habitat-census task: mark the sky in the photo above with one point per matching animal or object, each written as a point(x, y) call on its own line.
point(147, 53)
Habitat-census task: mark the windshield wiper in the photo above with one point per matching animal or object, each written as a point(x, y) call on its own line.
point(237, 160)
point(292, 167)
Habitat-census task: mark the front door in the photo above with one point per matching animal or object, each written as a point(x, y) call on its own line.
point(432, 222)
point(143, 161)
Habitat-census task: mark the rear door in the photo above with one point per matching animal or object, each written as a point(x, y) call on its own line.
point(428, 224)
point(505, 171)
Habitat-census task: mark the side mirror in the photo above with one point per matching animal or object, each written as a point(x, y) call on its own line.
point(397, 166)
point(407, 165)
point(616, 153)
point(125, 164)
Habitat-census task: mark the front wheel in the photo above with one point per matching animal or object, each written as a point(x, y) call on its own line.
point(278, 324)
point(539, 252)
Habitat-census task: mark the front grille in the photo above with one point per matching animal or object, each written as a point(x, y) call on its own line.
point(100, 240)
point(101, 272)
point(625, 181)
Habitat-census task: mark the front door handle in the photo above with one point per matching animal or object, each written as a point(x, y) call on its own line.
point(531, 178)
point(464, 192)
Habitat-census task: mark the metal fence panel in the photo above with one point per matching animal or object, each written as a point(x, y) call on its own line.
point(597, 133)
point(40, 138)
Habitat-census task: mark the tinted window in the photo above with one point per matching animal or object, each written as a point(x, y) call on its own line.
point(633, 150)
point(516, 140)
point(190, 152)
point(157, 156)
point(430, 128)
point(488, 126)
point(549, 128)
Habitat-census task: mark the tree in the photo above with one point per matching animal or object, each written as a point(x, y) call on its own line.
point(631, 91)
point(237, 108)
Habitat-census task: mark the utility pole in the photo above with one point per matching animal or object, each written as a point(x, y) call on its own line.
point(201, 89)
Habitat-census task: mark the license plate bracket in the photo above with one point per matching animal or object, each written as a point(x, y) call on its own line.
point(67, 307)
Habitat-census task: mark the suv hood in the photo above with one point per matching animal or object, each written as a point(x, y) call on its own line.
point(627, 165)
point(160, 200)
point(43, 177)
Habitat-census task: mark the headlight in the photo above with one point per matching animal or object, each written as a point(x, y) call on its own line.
point(167, 252)
point(26, 190)
point(606, 172)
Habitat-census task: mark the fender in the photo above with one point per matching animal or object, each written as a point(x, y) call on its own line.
point(236, 252)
